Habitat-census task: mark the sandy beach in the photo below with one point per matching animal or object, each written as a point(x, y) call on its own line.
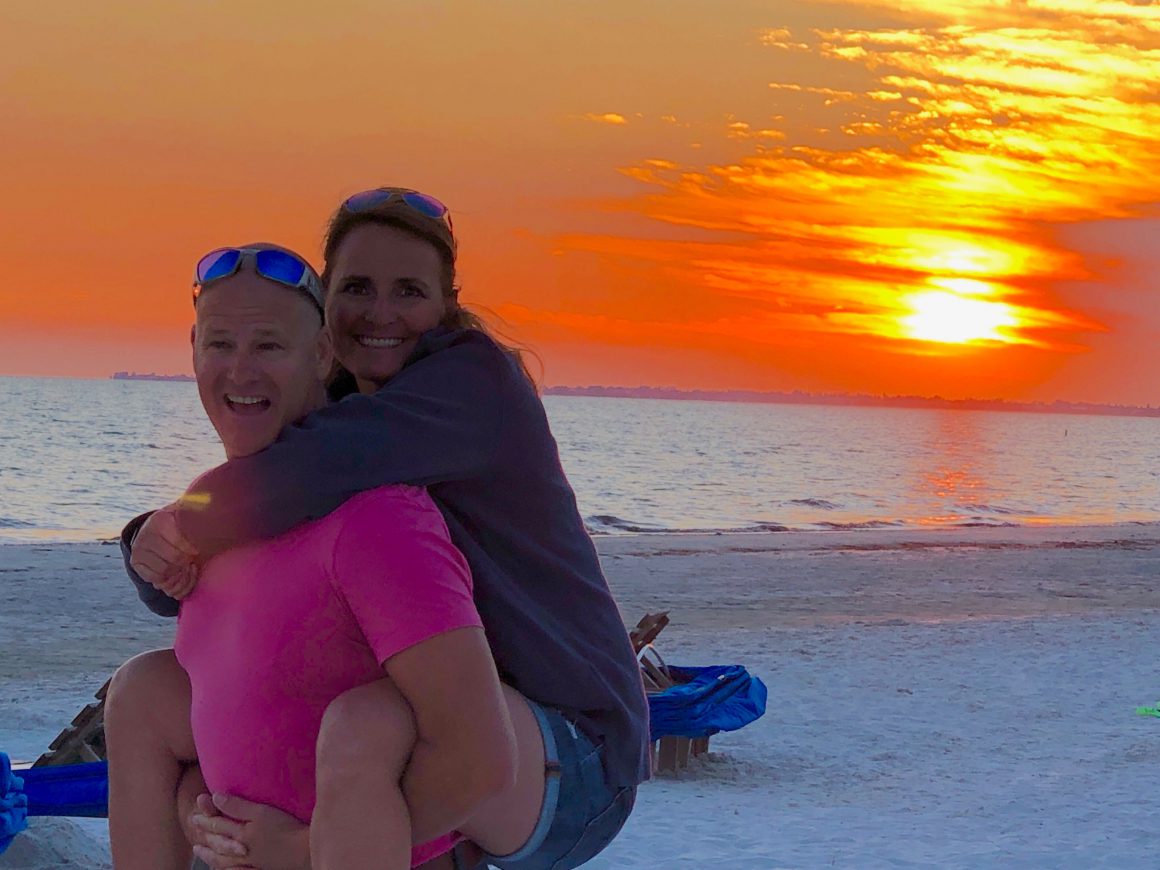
point(952, 698)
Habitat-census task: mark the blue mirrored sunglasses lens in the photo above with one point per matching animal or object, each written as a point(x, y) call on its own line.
point(425, 204)
point(217, 264)
point(280, 266)
point(367, 199)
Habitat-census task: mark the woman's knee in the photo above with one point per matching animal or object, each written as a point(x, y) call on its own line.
point(371, 724)
point(144, 684)
point(147, 707)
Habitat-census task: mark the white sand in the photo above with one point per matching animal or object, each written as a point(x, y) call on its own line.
point(958, 698)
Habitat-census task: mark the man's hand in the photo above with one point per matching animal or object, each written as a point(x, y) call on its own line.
point(162, 557)
point(237, 833)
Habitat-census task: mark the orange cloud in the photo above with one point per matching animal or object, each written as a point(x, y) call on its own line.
point(606, 118)
point(832, 96)
point(932, 223)
point(743, 130)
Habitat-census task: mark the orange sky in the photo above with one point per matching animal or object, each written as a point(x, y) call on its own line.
point(861, 195)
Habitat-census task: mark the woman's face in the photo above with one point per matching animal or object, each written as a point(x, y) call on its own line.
point(385, 291)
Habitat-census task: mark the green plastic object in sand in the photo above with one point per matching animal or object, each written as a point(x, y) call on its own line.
point(1149, 711)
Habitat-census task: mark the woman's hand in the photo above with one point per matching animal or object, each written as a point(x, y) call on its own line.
point(237, 833)
point(162, 557)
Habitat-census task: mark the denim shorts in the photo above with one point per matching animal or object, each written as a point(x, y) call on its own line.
point(581, 814)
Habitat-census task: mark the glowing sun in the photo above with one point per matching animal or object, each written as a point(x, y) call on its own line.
point(948, 317)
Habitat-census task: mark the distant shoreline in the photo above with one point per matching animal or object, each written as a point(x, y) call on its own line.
point(856, 400)
point(151, 376)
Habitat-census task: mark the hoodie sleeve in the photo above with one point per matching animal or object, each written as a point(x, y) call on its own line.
point(439, 419)
point(153, 598)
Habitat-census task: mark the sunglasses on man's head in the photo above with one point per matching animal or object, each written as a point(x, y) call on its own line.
point(278, 266)
point(428, 206)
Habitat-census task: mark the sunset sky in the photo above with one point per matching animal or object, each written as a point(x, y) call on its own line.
point(958, 198)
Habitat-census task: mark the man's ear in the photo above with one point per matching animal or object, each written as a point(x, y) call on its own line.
point(324, 348)
point(193, 335)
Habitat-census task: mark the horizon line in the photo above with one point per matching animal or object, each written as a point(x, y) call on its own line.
point(751, 396)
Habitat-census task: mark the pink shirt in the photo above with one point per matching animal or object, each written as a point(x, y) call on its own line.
point(277, 629)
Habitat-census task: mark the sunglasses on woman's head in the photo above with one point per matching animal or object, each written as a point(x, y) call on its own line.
point(428, 206)
point(279, 266)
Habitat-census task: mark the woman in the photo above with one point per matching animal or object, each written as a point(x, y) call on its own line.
point(441, 404)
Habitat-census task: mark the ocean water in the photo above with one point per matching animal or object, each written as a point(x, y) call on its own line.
point(78, 458)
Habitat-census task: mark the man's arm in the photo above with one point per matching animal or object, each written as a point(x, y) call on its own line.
point(439, 419)
point(465, 752)
point(409, 590)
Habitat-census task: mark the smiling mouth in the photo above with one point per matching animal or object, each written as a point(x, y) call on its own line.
point(378, 343)
point(247, 405)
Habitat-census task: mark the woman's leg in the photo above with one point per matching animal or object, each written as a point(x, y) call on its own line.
point(149, 742)
point(360, 817)
point(363, 749)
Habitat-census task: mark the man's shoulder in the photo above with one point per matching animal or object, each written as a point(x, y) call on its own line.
point(391, 527)
point(395, 507)
point(394, 512)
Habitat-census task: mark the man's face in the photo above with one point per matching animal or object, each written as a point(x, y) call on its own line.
point(260, 356)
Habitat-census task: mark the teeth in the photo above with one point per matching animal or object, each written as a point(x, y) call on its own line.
point(245, 400)
point(379, 342)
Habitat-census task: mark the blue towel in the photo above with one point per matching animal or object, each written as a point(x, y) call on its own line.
point(66, 790)
point(76, 790)
point(706, 701)
point(13, 804)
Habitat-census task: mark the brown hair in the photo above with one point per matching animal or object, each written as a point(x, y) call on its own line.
point(457, 317)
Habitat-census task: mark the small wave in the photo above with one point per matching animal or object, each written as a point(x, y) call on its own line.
point(820, 503)
point(982, 508)
point(6, 523)
point(606, 524)
point(867, 524)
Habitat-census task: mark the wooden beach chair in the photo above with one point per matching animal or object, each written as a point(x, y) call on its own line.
point(671, 752)
point(688, 704)
point(83, 740)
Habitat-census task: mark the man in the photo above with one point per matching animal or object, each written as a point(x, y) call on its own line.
point(276, 631)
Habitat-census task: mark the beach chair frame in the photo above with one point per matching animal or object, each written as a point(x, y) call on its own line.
point(671, 753)
point(84, 740)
